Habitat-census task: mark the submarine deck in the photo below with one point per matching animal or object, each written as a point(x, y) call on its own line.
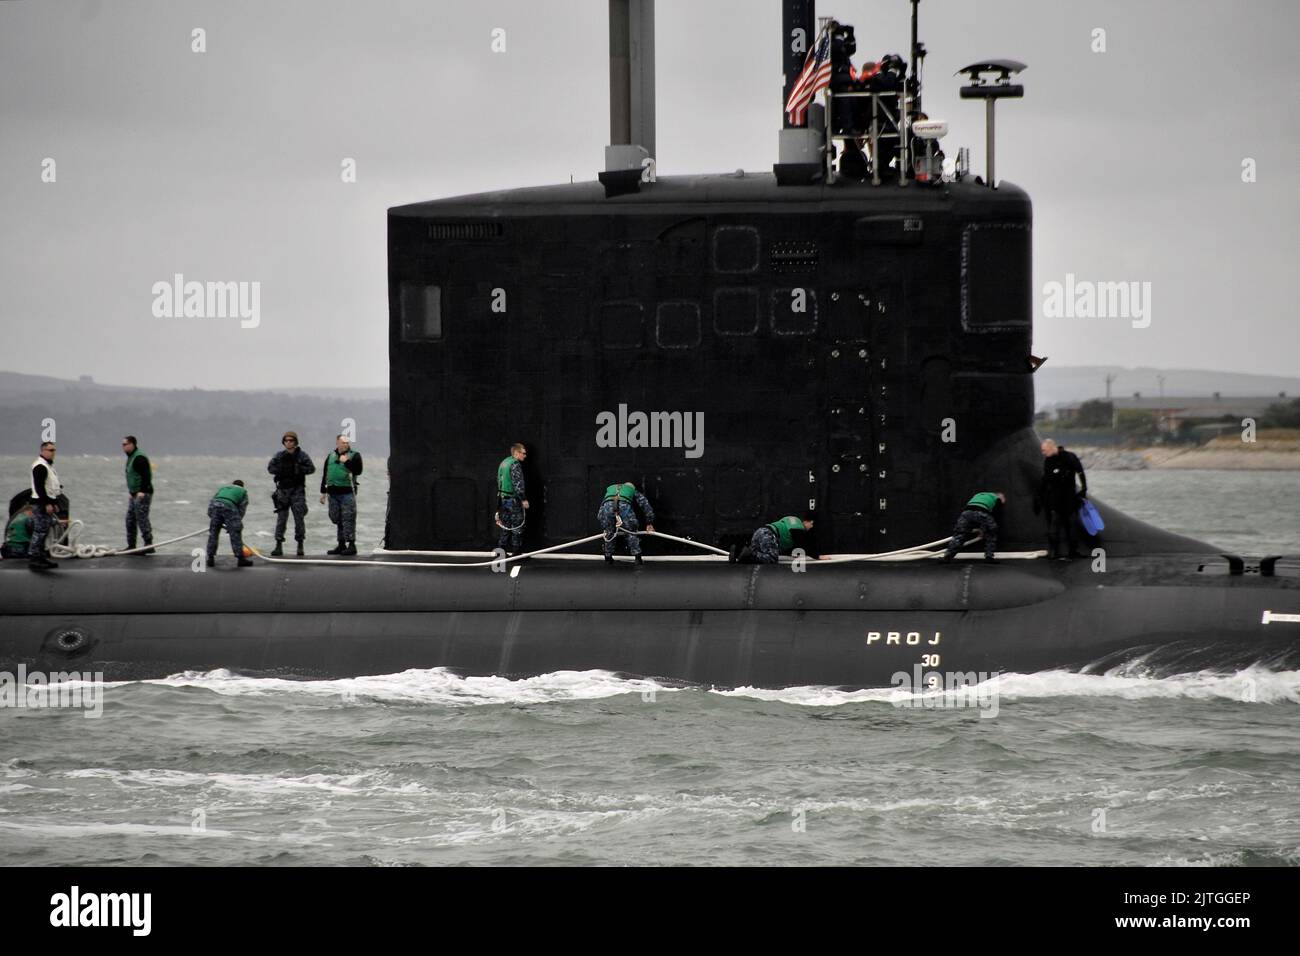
point(759, 189)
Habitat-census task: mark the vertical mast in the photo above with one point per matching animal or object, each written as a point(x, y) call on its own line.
point(798, 22)
point(631, 92)
point(799, 148)
point(914, 82)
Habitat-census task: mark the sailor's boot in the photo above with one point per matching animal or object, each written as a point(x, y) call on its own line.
point(301, 552)
point(278, 552)
point(148, 545)
point(349, 548)
point(337, 549)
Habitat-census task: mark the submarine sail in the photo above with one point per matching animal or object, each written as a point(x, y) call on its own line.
point(847, 336)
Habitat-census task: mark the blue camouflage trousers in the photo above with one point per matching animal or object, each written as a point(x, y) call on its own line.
point(764, 548)
point(223, 514)
point(137, 517)
point(41, 524)
point(972, 519)
point(343, 512)
point(605, 518)
point(511, 516)
point(295, 500)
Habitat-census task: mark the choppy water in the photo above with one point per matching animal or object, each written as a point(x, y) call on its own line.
point(427, 767)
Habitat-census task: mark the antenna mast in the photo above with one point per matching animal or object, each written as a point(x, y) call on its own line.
point(918, 51)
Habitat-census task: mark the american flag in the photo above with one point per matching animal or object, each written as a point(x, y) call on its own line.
point(814, 77)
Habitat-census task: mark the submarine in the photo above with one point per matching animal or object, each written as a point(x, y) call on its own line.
point(847, 336)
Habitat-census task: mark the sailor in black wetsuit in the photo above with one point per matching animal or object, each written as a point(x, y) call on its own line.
point(45, 493)
point(1058, 493)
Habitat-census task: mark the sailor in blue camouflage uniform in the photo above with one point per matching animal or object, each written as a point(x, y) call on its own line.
point(772, 540)
point(226, 510)
point(511, 500)
point(616, 511)
point(338, 486)
point(46, 491)
point(979, 515)
point(290, 466)
point(139, 491)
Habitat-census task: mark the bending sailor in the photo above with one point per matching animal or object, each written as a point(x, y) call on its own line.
point(616, 512)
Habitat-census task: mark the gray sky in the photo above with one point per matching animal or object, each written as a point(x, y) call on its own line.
point(225, 165)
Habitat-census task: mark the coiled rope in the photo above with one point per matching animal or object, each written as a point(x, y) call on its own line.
point(68, 544)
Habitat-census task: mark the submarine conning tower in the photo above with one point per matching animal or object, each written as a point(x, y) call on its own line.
point(837, 338)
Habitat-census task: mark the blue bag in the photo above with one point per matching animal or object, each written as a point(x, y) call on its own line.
point(1090, 519)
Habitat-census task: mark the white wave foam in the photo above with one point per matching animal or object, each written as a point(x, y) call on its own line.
point(1252, 685)
point(434, 686)
point(356, 784)
point(442, 687)
point(47, 828)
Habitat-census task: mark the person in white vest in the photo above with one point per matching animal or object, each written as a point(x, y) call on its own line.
point(46, 489)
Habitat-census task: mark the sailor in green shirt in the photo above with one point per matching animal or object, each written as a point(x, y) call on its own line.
point(980, 514)
point(616, 513)
point(139, 494)
point(771, 541)
point(226, 510)
point(18, 533)
point(338, 486)
point(511, 500)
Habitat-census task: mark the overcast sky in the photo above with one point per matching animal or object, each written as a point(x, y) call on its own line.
point(225, 165)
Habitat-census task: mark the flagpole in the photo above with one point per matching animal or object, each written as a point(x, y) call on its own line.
point(823, 27)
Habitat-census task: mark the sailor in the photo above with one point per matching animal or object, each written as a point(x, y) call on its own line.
point(1058, 493)
point(18, 533)
point(226, 510)
point(980, 514)
point(616, 512)
point(338, 483)
point(511, 500)
point(771, 541)
point(139, 494)
point(46, 489)
point(290, 466)
point(853, 161)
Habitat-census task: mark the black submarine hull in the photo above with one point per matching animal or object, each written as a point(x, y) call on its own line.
point(846, 625)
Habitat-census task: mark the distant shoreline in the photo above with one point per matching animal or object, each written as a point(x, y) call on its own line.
point(1221, 454)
